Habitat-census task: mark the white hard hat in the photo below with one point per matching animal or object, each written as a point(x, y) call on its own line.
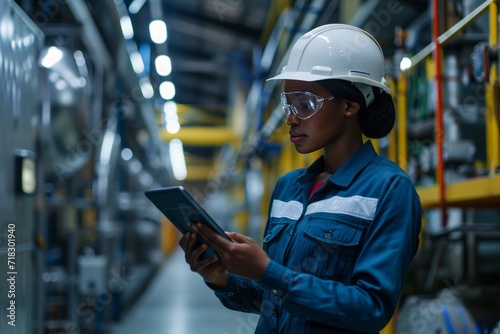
point(336, 51)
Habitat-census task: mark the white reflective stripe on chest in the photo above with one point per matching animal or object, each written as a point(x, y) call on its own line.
point(290, 210)
point(356, 206)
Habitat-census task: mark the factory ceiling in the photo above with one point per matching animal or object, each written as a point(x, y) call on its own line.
point(208, 41)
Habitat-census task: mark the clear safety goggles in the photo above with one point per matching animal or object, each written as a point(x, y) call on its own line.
point(304, 105)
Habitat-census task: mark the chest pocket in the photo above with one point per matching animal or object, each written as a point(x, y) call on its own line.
point(271, 241)
point(330, 247)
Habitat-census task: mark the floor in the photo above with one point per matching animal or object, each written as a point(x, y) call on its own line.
point(178, 302)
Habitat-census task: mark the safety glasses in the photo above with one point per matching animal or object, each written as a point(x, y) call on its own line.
point(304, 105)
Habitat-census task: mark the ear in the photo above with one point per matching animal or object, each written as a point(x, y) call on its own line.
point(351, 108)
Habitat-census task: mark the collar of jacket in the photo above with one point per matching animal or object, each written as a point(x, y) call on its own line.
point(346, 173)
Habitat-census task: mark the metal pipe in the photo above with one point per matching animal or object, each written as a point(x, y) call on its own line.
point(439, 135)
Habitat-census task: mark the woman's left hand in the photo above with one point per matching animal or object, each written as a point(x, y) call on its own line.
point(243, 257)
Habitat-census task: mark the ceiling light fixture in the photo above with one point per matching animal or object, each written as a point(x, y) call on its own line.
point(51, 57)
point(158, 31)
point(172, 124)
point(170, 110)
point(163, 65)
point(127, 28)
point(176, 153)
point(136, 6)
point(146, 88)
point(137, 63)
point(167, 90)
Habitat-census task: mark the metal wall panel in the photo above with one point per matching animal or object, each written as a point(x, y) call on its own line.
point(20, 42)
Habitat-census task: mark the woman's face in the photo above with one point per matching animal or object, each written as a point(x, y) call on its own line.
point(325, 128)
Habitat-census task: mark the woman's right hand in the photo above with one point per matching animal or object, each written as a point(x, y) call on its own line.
point(211, 269)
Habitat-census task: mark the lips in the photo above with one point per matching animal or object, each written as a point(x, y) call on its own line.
point(296, 136)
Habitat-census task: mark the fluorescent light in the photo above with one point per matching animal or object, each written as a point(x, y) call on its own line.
point(51, 57)
point(137, 63)
point(172, 124)
point(136, 6)
point(127, 28)
point(176, 153)
point(167, 90)
point(163, 65)
point(146, 88)
point(170, 111)
point(158, 31)
point(173, 127)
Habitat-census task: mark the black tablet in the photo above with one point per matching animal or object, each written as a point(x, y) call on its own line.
point(181, 209)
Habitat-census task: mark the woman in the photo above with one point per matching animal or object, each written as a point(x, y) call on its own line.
point(340, 234)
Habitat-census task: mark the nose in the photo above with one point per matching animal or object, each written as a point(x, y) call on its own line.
point(291, 118)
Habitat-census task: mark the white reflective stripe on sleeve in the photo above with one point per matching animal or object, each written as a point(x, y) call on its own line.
point(356, 206)
point(291, 210)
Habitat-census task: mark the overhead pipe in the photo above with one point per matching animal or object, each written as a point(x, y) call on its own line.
point(439, 133)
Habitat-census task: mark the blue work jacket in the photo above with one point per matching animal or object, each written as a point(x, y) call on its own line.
point(338, 259)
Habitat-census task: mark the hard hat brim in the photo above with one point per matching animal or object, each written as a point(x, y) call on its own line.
point(308, 77)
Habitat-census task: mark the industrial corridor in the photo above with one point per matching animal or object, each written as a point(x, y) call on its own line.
point(345, 153)
point(177, 301)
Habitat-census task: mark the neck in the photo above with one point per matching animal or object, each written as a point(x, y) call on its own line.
point(337, 153)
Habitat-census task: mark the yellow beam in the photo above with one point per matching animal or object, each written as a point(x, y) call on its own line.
point(479, 191)
point(492, 108)
point(202, 136)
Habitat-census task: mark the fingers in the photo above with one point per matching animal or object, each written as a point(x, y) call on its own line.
point(184, 241)
point(218, 242)
point(198, 266)
point(187, 241)
point(240, 238)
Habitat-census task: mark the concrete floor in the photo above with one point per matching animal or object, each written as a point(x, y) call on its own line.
point(178, 302)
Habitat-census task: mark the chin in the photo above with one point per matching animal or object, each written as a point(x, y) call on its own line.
point(304, 149)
